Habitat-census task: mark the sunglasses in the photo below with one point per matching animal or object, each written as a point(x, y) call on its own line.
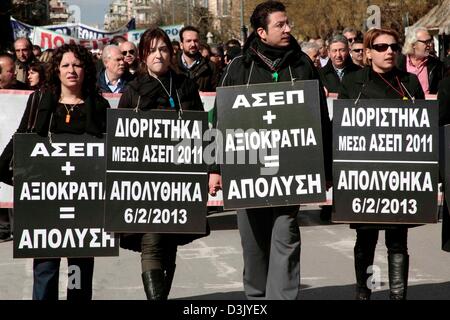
point(130, 51)
point(382, 47)
point(426, 42)
point(351, 39)
point(358, 50)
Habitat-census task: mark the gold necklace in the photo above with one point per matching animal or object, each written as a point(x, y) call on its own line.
point(69, 111)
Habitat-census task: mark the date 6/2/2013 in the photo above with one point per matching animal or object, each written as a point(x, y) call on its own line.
point(155, 216)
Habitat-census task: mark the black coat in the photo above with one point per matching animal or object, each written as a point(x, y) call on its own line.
point(444, 119)
point(329, 77)
point(103, 86)
point(149, 94)
point(435, 70)
point(204, 73)
point(444, 102)
point(26, 125)
point(365, 85)
point(295, 61)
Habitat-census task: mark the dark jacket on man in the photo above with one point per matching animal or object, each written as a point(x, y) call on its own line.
point(249, 68)
point(329, 77)
point(17, 85)
point(435, 69)
point(103, 86)
point(203, 72)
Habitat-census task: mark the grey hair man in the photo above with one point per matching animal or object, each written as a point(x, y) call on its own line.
point(416, 59)
point(114, 76)
point(339, 64)
point(312, 50)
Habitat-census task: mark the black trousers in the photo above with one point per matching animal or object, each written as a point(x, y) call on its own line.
point(159, 251)
point(46, 278)
point(396, 240)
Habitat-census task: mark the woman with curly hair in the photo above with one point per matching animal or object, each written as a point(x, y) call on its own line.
point(70, 104)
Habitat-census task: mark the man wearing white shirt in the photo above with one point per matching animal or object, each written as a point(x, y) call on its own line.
point(114, 77)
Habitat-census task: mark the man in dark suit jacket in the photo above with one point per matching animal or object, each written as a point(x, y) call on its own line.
point(339, 64)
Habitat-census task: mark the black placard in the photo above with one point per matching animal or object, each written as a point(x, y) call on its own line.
point(272, 140)
point(385, 161)
point(446, 164)
point(156, 178)
point(58, 197)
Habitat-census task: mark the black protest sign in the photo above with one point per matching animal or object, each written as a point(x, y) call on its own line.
point(447, 163)
point(58, 197)
point(156, 178)
point(385, 161)
point(272, 143)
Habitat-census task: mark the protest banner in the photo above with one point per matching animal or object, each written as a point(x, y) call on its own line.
point(59, 197)
point(272, 138)
point(385, 161)
point(156, 179)
point(75, 30)
point(173, 31)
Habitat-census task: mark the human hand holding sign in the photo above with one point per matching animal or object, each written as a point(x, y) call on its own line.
point(215, 183)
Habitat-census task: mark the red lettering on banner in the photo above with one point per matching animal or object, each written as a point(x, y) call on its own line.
point(58, 41)
point(44, 37)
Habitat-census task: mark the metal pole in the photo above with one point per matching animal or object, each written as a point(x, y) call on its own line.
point(188, 14)
point(173, 12)
point(161, 3)
point(243, 28)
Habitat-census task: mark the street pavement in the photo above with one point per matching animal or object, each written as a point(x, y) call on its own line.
point(211, 267)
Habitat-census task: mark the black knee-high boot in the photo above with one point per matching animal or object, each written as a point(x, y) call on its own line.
point(154, 284)
point(398, 275)
point(362, 262)
point(169, 274)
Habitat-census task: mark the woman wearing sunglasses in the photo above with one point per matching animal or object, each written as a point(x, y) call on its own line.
point(380, 79)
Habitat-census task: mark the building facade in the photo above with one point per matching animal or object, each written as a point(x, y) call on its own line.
point(59, 11)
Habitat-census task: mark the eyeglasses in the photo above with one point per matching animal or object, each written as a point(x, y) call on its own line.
point(358, 50)
point(132, 51)
point(382, 47)
point(426, 42)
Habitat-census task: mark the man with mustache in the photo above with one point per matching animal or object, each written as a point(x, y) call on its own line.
point(114, 76)
point(192, 64)
point(339, 63)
